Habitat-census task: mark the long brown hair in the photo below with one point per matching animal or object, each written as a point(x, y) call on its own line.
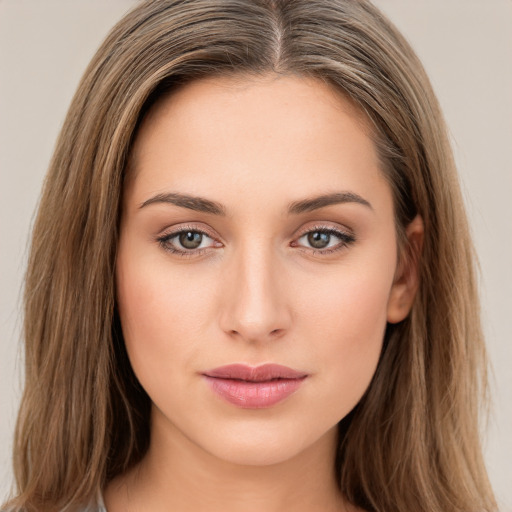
point(412, 443)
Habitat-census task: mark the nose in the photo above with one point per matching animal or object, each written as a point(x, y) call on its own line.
point(254, 300)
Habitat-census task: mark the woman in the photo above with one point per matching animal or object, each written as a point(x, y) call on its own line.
point(251, 283)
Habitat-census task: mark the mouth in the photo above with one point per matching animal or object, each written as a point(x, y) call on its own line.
point(258, 387)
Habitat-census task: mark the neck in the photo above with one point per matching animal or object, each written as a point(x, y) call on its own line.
point(177, 474)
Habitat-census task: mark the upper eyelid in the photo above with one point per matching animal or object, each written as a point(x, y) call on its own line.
point(167, 237)
point(165, 240)
point(345, 235)
point(172, 231)
point(325, 227)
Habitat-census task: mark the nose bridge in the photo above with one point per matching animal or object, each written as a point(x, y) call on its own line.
point(255, 308)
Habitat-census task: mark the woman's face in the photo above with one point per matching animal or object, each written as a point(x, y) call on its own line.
point(257, 229)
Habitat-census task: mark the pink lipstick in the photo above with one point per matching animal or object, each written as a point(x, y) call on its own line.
point(254, 387)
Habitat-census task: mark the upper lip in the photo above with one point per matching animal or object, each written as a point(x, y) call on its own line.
point(262, 373)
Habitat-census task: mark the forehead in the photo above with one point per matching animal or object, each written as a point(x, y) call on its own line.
point(207, 103)
point(219, 134)
point(266, 89)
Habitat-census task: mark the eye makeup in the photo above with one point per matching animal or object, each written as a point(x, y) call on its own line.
point(190, 241)
point(323, 240)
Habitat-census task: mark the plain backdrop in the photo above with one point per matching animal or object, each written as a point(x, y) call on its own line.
point(466, 47)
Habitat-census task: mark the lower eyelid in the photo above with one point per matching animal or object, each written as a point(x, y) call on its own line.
point(345, 238)
point(165, 239)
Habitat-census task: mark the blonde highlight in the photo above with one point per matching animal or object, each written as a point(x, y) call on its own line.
point(412, 443)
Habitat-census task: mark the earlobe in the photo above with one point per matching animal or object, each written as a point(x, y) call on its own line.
point(406, 281)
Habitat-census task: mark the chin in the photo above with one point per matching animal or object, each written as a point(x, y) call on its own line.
point(266, 445)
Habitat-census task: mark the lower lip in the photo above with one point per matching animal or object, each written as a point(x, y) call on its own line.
point(254, 395)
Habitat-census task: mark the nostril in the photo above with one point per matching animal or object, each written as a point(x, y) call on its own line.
point(272, 334)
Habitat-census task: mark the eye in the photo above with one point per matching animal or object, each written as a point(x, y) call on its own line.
point(325, 240)
point(187, 241)
point(190, 239)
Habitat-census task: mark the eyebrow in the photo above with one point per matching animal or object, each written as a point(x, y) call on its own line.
point(200, 204)
point(315, 203)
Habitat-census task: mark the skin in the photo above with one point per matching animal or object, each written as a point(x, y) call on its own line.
point(255, 291)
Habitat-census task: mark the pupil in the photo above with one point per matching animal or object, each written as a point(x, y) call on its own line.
point(190, 239)
point(319, 240)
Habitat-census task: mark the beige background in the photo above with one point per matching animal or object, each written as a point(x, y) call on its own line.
point(466, 46)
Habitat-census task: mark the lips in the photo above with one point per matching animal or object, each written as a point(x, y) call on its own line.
point(254, 387)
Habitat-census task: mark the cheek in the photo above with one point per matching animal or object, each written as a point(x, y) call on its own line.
point(347, 321)
point(162, 317)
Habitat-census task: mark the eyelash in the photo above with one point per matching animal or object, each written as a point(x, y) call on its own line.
point(345, 238)
point(165, 242)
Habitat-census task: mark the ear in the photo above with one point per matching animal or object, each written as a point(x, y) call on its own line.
point(406, 282)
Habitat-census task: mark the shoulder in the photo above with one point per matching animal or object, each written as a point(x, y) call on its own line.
point(98, 507)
